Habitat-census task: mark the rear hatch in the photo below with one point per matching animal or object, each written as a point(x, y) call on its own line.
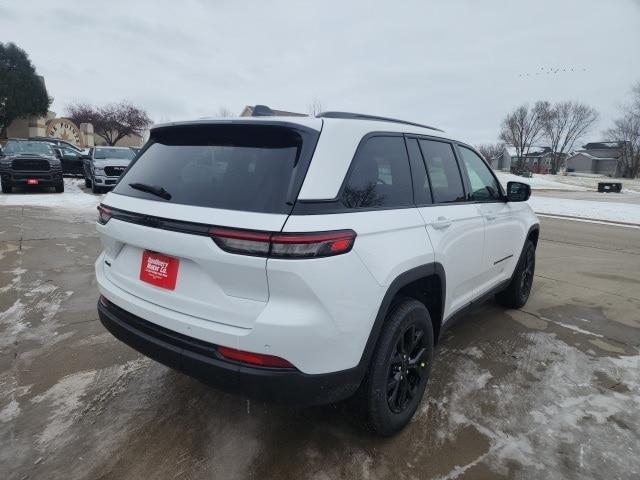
point(189, 179)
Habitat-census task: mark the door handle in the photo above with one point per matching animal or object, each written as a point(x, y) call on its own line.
point(441, 223)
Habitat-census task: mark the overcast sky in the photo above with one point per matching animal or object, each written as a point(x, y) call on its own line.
point(458, 65)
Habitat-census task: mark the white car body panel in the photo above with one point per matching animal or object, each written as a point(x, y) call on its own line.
point(457, 235)
point(316, 313)
point(336, 148)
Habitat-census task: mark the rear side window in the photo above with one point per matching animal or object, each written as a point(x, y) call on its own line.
point(446, 182)
point(234, 167)
point(380, 175)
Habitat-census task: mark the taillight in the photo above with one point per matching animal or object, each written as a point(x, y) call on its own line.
point(247, 242)
point(310, 245)
point(283, 245)
point(253, 358)
point(104, 214)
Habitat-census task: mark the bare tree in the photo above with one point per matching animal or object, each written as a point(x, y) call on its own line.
point(626, 130)
point(491, 151)
point(111, 122)
point(523, 127)
point(225, 112)
point(315, 107)
point(564, 124)
point(635, 102)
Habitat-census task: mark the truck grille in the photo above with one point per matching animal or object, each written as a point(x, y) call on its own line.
point(114, 171)
point(30, 164)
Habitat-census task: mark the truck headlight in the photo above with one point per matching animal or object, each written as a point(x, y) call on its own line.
point(98, 171)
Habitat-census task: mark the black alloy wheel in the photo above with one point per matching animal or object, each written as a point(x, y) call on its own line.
point(399, 369)
point(516, 294)
point(406, 368)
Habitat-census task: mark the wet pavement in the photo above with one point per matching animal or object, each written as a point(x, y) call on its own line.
point(550, 391)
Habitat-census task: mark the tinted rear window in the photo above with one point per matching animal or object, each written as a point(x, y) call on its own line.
point(380, 175)
point(234, 167)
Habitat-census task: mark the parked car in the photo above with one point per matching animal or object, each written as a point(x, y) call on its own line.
point(26, 163)
point(57, 142)
point(72, 161)
point(104, 165)
point(308, 260)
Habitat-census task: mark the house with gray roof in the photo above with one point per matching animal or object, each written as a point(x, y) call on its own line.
point(248, 112)
point(601, 158)
point(537, 159)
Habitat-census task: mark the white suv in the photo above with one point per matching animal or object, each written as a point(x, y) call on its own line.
point(308, 260)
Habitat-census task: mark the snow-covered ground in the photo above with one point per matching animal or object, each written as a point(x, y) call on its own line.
point(587, 209)
point(538, 182)
point(591, 182)
point(568, 182)
point(72, 197)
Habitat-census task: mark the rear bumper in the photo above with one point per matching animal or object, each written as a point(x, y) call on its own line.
point(199, 359)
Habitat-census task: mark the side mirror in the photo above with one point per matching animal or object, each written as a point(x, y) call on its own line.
point(518, 192)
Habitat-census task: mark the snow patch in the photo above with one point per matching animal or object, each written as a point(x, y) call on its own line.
point(543, 427)
point(72, 197)
point(9, 411)
point(608, 211)
point(64, 399)
point(538, 182)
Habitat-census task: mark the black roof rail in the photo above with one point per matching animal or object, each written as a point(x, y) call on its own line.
point(362, 116)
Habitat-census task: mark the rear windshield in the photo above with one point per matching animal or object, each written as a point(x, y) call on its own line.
point(234, 167)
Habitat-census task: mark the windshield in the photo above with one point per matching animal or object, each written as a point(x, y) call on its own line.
point(36, 148)
point(120, 153)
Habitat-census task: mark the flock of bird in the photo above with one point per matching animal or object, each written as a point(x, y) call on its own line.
point(552, 71)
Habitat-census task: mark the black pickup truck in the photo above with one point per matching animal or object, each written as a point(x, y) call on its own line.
point(26, 163)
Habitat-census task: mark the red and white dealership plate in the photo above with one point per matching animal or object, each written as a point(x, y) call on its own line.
point(159, 270)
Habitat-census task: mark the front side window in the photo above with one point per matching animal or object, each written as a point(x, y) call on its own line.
point(67, 152)
point(484, 186)
point(380, 176)
point(446, 182)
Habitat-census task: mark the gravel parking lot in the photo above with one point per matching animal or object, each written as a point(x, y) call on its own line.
point(552, 391)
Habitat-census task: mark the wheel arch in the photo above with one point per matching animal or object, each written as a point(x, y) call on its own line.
point(534, 234)
point(416, 283)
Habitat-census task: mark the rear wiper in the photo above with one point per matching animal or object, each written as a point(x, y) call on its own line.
point(153, 189)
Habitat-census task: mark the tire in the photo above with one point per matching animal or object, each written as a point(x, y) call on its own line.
point(95, 188)
point(517, 292)
point(6, 187)
point(396, 382)
point(87, 183)
point(60, 187)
